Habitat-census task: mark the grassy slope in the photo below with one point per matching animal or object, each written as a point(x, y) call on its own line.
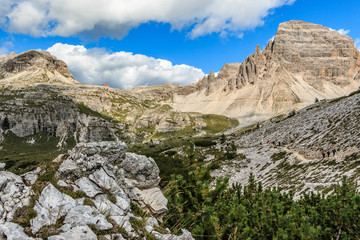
point(20, 155)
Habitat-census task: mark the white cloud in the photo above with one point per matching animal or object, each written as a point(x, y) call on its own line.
point(115, 18)
point(357, 43)
point(122, 69)
point(341, 31)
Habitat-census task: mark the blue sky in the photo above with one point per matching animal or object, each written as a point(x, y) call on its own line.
point(154, 43)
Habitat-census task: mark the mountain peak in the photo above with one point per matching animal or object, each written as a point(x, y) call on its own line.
point(38, 66)
point(304, 61)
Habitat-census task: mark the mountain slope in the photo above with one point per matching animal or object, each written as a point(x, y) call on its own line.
point(297, 163)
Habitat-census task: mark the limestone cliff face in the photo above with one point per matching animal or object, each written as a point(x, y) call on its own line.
point(304, 61)
point(35, 110)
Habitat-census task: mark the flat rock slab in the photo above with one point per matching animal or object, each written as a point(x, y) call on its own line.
point(76, 233)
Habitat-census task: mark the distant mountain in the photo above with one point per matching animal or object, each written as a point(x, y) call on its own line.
point(33, 81)
point(304, 62)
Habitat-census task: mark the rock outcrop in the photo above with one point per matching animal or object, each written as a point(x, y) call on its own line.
point(304, 61)
point(111, 181)
point(40, 109)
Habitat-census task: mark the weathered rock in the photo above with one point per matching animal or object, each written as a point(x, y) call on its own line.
point(144, 170)
point(105, 166)
point(88, 187)
point(84, 215)
point(153, 199)
point(31, 177)
point(124, 222)
point(62, 183)
point(76, 233)
point(50, 206)
point(297, 164)
point(40, 110)
point(186, 235)
point(2, 165)
point(150, 224)
point(13, 231)
point(104, 205)
point(14, 194)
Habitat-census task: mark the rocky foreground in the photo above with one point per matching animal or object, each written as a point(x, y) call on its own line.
point(96, 191)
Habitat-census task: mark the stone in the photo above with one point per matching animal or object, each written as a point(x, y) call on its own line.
point(154, 199)
point(124, 222)
point(117, 236)
point(186, 235)
point(14, 194)
point(88, 187)
point(30, 177)
point(76, 233)
point(84, 215)
point(104, 205)
point(106, 182)
point(13, 231)
point(150, 223)
point(62, 183)
point(142, 169)
point(2, 165)
point(50, 206)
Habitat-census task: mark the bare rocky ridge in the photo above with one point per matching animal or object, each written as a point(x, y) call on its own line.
point(304, 62)
point(109, 177)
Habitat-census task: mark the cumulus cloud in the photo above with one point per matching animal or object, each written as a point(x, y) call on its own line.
point(115, 18)
point(341, 31)
point(122, 69)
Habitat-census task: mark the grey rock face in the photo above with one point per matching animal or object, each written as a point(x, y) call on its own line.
point(88, 187)
point(50, 206)
point(105, 166)
point(13, 231)
point(304, 61)
point(14, 194)
point(144, 170)
point(84, 215)
point(297, 163)
point(76, 233)
point(39, 109)
point(31, 177)
point(186, 235)
point(154, 200)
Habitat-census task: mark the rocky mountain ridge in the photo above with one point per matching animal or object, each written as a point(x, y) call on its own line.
point(304, 62)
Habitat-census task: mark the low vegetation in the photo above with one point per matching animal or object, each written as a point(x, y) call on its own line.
point(251, 212)
point(23, 154)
